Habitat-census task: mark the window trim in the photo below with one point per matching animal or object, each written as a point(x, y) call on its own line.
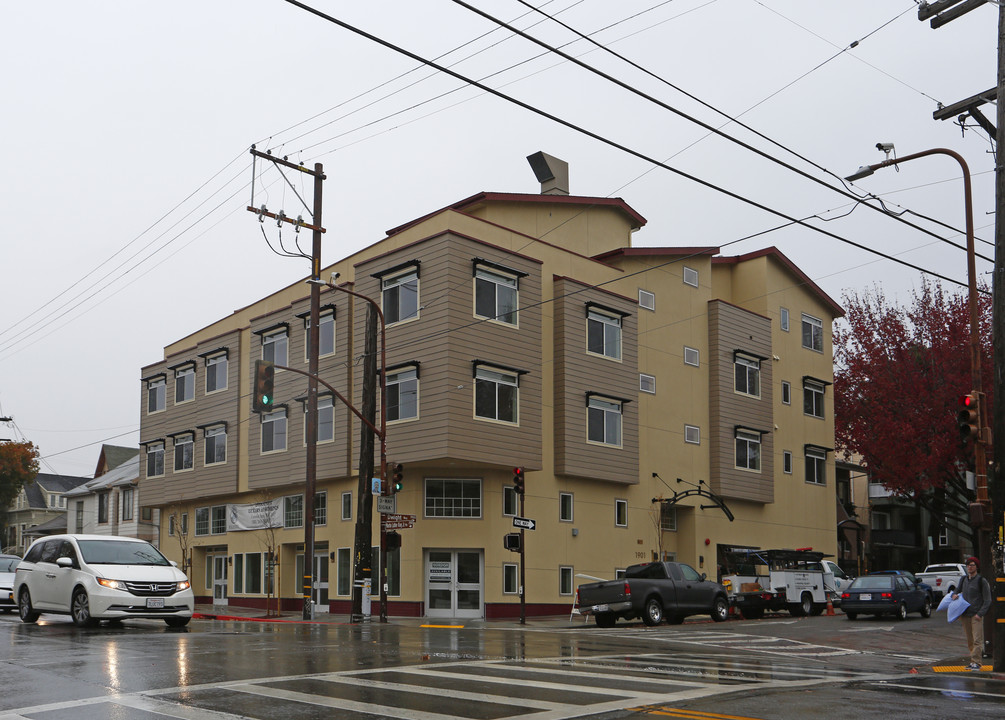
point(507, 276)
point(213, 359)
point(642, 385)
point(388, 280)
point(562, 496)
point(697, 356)
point(812, 321)
point(752, 363)
point(783, 319)
point(566, 573)
point(749, 435)
point(620, 507)
point(426, 498)
point(819, 454)
point(265, 336)
point(787, 462)
point(786, 392)
point(816, 389)
point(651, 296)
point(610, 401)
point(394, 372)
point(343, 506)
point(206, 430)
point(267, 417)
point(694, 273)
point(608, 318)
point(327, 311)
point(152, 447)
point(177, 441)
point(514, 568)
point(697, 432)
point(497, 369)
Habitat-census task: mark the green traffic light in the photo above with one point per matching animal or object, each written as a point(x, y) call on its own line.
point(266, 400)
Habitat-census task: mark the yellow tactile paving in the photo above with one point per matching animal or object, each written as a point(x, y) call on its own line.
point(960, 668)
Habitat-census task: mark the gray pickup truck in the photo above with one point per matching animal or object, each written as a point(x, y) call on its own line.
point(654, 591)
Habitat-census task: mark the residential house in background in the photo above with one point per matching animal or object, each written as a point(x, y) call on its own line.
point(40, 505)
point(109, 504)
point(523, 330)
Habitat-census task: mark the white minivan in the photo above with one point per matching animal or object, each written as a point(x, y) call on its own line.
point(101, 577)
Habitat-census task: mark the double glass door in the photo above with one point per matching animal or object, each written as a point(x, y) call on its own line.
point(454, 583)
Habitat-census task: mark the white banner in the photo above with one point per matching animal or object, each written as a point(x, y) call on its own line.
point(255, 516)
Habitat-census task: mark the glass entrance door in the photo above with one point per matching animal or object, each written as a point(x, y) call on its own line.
point(320, 583)
point(218, 580)
point(454, 585)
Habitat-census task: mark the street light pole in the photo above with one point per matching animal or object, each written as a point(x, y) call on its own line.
point(980, 511)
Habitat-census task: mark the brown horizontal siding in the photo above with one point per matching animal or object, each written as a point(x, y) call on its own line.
point(730, 329)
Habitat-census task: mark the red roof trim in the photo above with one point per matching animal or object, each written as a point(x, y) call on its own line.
point(656, 251)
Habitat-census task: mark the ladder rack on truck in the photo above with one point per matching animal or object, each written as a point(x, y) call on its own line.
point(793, 580)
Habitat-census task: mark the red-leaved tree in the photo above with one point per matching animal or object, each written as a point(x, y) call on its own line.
point(899, 374)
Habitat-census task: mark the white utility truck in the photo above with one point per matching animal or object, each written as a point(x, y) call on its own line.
point(793, 580)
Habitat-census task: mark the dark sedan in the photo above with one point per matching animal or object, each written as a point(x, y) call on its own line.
point(885, 595)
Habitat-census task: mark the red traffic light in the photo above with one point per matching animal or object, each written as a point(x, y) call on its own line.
point(969, 418)
point(968, 400)
point(518, 480)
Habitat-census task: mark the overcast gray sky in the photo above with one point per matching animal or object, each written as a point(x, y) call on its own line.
point(126, 172)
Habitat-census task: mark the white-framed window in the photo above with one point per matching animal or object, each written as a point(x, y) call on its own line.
point(690, 276)
point(402, 394)
point(813, 398)
point(79, 523)
point(783, 319)
point(171, 525)
point(497, 395)
point(511, 584)
point(326, 420)
point(276, 347)
point(216, 372)
point(786, 392)
point(621, 513)
point(603, 422)
point(748, 450)
point(943, 536)
point(787, 462)
point(496, 296)
point(813, 333)
point(691, 356)
point(218, 520)
point(184, 523)
point(155, 459)
point(647, 300)
point(565, 507)
point(816, 464)
point(274, 431)
point(509, 499)
point(184, 384)
point(184, 452)
point(201, 521)
point(692, 434)
point(321, 508)
point(400, 296)
point(647, 383)
point(293, 511)
point(347, 506)
point(216, 445)
point(747, 375)
point(453, 498)
point(103, 507)
point(248, 573)
point(565, 584)
point(326, 339)
point(156, 390)
point(668, 517)
point(603, 334)
point(128, 495)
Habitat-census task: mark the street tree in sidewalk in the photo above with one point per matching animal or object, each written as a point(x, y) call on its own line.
point(899, 374)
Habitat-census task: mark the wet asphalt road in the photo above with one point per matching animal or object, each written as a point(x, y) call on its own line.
point(780, 667)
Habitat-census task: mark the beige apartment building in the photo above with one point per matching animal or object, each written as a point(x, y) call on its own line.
point(523, 330)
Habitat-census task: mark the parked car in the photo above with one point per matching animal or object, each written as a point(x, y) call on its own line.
point(943, 577)
point(101, 577)
point(887, 594)
point(7, 565)
point(654, 591)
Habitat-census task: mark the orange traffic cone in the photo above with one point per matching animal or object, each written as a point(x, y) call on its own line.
point(830, 605)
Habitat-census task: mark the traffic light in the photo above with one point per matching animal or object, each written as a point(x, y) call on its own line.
point(265, 375)
point(518, 480)
point(393, 541)
point(969, 417)
point(397, 471)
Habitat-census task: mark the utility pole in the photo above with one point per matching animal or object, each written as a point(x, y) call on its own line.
point(312, 359)
point(990, 532)
point(363, 565)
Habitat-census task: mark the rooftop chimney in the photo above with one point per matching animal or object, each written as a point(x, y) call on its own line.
point(552, 173)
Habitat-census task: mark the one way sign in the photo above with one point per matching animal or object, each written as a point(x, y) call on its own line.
point(525, 523)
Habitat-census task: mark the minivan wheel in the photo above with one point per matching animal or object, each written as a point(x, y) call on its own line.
point(24, 608)
point(80, 609)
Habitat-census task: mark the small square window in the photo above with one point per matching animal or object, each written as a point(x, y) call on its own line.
point(787, 461)
point(690, 356)
point(690, 276)
point(692, 434)
point(647, 300)
point(647, 383)
point(565, 507)
point(783, 318)
point(621, 513)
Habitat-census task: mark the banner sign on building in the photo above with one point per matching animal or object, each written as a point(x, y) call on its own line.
point(255, 516)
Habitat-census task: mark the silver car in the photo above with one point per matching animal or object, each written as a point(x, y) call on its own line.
point(7, 565)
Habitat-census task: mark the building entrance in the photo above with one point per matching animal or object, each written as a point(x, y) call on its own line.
point(454, 583)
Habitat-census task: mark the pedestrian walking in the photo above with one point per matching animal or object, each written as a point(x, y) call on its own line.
point(976, 591)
